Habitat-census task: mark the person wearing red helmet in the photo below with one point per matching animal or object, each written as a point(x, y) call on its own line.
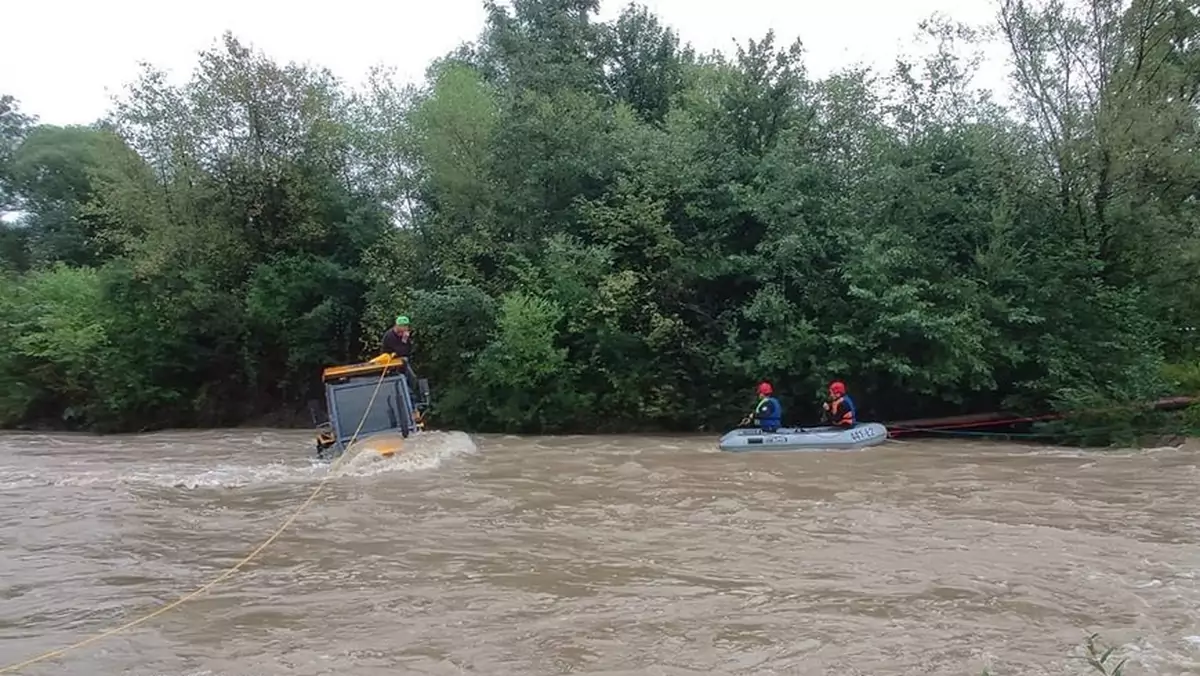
point(840, 408)
point(768, 413)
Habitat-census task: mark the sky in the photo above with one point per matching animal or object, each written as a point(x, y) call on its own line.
point(64, 60)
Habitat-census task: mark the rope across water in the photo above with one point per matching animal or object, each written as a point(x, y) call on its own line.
point(228, 572)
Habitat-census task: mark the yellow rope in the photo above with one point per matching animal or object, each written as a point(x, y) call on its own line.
point(223, 576)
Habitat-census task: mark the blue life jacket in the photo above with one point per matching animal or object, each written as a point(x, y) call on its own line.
point(768, 413)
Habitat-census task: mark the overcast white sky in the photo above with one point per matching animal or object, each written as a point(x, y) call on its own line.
point(64, 59)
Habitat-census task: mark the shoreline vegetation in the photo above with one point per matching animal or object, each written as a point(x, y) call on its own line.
point(594, 228)
point(1155, 431)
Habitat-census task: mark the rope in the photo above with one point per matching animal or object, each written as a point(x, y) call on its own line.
point(896, 430)
point(1013, 435)
point(223, 576)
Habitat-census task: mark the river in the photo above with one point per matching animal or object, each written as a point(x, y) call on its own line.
point(501, 555)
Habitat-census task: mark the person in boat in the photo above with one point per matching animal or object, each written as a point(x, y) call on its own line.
point(768, 413)
point(397, 341)
point(840, 410)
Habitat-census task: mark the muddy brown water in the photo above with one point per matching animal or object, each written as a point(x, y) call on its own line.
point(596, 555)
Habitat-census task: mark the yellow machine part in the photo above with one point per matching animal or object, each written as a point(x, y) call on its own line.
point(386, 444)
point(374, 366)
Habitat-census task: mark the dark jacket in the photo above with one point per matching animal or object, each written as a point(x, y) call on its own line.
point(394, 344)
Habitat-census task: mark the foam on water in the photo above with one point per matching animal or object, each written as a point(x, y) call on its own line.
point(169, 475)
point(425, 452)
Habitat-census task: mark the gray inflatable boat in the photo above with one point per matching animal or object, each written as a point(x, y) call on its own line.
point(861, 435)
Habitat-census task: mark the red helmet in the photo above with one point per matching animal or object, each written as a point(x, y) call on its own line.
point(764, 389)
point(837, 388)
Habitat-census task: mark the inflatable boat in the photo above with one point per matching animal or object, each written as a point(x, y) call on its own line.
point(861, 435)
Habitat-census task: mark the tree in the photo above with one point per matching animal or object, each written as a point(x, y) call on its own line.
point(595, 228)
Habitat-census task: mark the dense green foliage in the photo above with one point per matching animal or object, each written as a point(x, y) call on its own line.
point(595, 228)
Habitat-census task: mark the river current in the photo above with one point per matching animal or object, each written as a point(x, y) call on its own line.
point(609, 555)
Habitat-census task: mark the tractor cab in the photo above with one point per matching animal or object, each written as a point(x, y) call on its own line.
point(374, 394)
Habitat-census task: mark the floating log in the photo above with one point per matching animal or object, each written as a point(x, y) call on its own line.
point(1174, 403)
point(1002, 419)
point(972, 419)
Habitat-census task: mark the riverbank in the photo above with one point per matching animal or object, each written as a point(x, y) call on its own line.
point(1166, 421)
point(1059, 439)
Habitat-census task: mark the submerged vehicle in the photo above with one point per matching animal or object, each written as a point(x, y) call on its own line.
point(387, 420)
point(804, 438)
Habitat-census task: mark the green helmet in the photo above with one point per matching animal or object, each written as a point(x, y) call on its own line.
point(402, 320)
